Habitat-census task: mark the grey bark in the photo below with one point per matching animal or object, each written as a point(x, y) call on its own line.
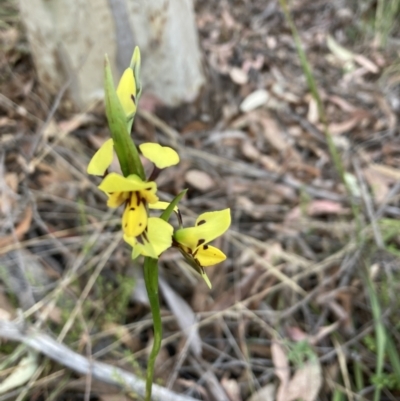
point(68, 40)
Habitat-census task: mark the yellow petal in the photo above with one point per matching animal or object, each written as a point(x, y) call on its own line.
point(126, 92)
point(161, 156)
point(117, 183)
point(102, 158)
point(162, 206)
point(134, 219)
point(145, 249)
point(159, 233)
point(208, 255)
point(149, 193)
point(116, 199)
point(208, 226)
point(154, 240)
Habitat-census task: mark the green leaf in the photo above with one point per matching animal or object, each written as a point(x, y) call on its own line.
point(167, 212)
point(125, 149)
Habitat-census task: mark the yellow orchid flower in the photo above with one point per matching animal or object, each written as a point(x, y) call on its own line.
point(193, 241)
point(136, 194)
point(147, 236)
point(126, 92)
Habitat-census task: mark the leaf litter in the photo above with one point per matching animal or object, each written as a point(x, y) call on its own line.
point(289, 315)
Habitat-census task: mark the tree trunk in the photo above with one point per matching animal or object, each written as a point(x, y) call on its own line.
point(68, 40)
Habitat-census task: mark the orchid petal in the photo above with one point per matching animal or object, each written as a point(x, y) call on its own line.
point(153, 241)
point(126, 92)
point(117, 183)
point(116, 199)
point(161, 156)
point(207, 255)
point(208, 226)
point(134, 219)
point(159, 233)
point(102, 159)
point(160, 205)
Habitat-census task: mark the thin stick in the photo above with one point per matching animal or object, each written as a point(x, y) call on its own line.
point(60, 353)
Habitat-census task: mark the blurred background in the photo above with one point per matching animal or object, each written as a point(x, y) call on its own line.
point(284, 111)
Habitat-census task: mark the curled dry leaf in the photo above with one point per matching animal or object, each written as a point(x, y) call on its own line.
point(316, 208)
point(250, 151)
point(306, 383)
point(238, 76)
point(266, 393)
point(254, 100)
point(282, 369)
point(199, 180)
point(231, 388)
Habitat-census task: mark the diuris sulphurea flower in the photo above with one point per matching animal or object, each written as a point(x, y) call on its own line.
point(149, 236)
point(193, 241)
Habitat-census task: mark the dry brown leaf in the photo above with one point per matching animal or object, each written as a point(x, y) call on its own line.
point(343, 104)
point(316, 208)
point(8, 193)
point(386, 170)
point(266, 393)
point(305, 384)
point(20, 230)
point(270, 164)
point(238, 76)
point(296, 333)
point(313, 114)
point(250, 151)
point(199, 180)
point(273, 134)
point(345, 126)
point(254, 100)
point(231, 388)
point(282, 370)
point(366, 63)
point(380, 184)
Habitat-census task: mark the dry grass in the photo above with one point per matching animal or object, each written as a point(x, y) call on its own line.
point(306, 306)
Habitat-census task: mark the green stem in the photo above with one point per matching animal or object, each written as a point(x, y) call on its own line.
point(151, 281)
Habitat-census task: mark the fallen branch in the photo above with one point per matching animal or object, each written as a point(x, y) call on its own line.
point(60, 353)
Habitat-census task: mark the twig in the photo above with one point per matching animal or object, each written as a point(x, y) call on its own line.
point(60, 353)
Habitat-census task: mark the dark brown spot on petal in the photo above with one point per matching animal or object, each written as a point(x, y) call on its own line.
point(201, 267)
point(205, 247)
point(133, 99)
point(144, 235)
point(110, 193)
point(148, 189)
point(125, 225)
point(132, 209)
point(140, 224)
point(200, 242)
point(138, 200)
point(200, 222)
